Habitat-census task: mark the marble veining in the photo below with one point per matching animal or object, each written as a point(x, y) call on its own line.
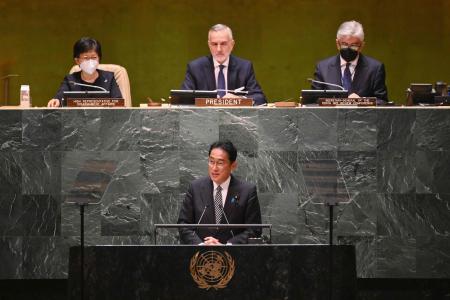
point(387, 169)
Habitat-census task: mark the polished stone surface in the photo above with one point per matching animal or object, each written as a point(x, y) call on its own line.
point(270, 272)
point(388, 167)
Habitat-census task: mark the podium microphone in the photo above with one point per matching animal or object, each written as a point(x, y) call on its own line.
point(226, 219)
point(200, 219)
point(89, 85)
point(203, 213)
point(325, 83)
point(238, 91)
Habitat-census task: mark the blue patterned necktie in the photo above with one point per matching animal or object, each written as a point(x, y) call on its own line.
point(221, 82)
point(218, 204)
point(347, 79)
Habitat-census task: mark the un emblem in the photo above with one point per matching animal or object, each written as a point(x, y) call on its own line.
point(212, 269)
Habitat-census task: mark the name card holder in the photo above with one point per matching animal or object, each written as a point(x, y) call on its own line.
point(95, 102)
point(367, 101)
point(286, 104)
point(211, 102)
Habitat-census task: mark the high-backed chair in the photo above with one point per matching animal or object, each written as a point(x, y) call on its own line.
point(121, 76)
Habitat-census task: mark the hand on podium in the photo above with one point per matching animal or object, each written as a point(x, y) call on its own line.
point(211, 241)
point(230, 95)
point(354, 95)
point(53, 103)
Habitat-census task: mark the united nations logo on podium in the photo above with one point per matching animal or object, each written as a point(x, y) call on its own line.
point(212, 269)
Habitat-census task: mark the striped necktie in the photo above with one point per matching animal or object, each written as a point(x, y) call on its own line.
point(218, 204)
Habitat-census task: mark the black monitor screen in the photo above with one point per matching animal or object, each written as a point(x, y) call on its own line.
point(312, 96)
point(422, 93)
point(187, 97)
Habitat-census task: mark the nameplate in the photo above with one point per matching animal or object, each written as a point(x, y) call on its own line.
point(223, 102)
point(285, 104)
point(95, 102)
point(368, 101)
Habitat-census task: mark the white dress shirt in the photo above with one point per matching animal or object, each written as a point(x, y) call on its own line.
point(352, 67)
point(224, 186)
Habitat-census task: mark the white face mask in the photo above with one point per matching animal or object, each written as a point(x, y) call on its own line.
point(89, 66)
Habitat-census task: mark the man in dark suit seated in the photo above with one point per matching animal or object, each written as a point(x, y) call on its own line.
point(361, 75)
point(220, 198)
point(222, 71)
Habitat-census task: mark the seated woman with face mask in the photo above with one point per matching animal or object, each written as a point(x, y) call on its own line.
point(87, 53)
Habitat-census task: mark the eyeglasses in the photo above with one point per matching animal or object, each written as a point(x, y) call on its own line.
point(88, 57)
point(351, 46)
point(216, 163)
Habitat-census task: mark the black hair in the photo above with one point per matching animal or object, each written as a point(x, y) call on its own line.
point(226, 146)
point(86, 44)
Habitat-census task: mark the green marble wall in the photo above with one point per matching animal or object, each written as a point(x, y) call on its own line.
point(155, 39)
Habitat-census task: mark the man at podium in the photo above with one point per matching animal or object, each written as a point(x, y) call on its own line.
point(222, 71)
point(361, 75)
point(220, 198)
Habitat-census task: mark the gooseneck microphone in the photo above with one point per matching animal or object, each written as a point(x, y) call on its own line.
point(226, 219)
point(325, 83)
point(238, 91)
point(203, 213)
point(89, 85)
point(200, 219)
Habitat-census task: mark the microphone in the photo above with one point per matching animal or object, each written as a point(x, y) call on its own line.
point(89, 85)
point(203, 213)
point(200, 219)
point(226, 219)
point(238, 91)
point(325, 83)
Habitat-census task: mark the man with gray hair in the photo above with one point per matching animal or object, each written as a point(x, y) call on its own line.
point(221, 70)
point(361, 75)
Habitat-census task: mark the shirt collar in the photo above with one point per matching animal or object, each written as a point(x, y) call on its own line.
point(224, 184)
point(225, 63)
point(353, 63)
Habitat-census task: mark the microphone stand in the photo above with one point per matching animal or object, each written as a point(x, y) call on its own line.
point(326, 83)
point(331, 203)
point(82, 205)
point(6, 79)
point(332, 200)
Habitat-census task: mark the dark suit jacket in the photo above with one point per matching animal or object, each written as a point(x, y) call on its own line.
point(105, 80)
point(368, 80)
point(200, 76)
point(241, 207)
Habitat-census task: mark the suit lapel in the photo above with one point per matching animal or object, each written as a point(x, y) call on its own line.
point(208, 201)
point(360, 70)
point(232, 73)
point(209, 74)
point(334, 70)
point(232, 195)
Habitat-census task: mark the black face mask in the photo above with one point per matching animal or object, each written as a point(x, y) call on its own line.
point(348, 54)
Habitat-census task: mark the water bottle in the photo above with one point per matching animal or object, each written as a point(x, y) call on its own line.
point(25, 98)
